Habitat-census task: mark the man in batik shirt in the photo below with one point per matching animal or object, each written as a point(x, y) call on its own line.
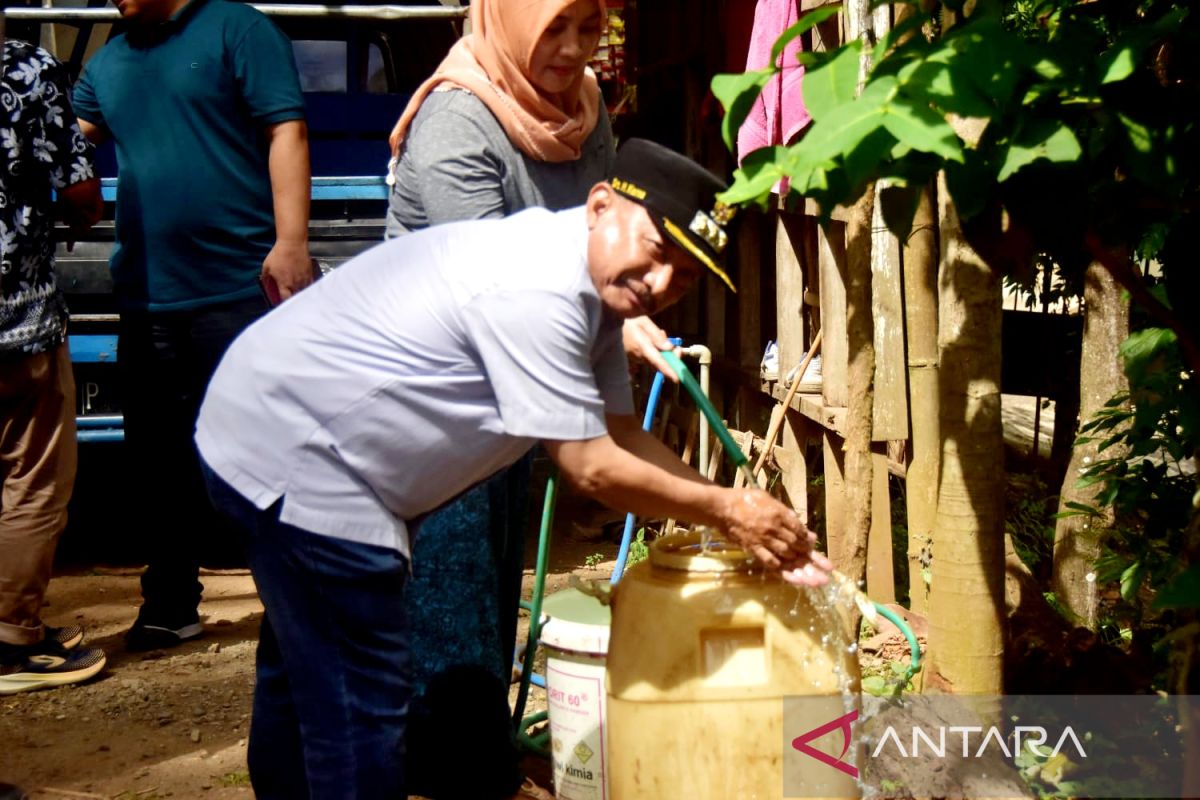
point(42, 152)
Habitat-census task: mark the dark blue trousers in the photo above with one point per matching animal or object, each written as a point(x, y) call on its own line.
point(333, 688)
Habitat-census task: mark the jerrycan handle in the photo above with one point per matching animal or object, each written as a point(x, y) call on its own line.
point(601, 590)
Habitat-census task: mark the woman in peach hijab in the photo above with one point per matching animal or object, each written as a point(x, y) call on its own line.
point(512, 118)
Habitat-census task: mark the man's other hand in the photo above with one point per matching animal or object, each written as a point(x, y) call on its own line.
point(644, 341)
point(288, 267)
point(774, 534)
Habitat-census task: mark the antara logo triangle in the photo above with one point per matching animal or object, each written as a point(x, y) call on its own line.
point(842, 723)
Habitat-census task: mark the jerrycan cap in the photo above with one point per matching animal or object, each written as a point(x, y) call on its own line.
point(700, 551)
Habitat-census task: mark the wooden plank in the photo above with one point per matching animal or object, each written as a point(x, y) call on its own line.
point(835, 349)
point(749, 298)
point(746, 443)
point(715, 454)
point(812, 276)
point(689, 445)
point(791, 467)
point(838, 213)
point(881, 581)
point(715, 294)
point(789, 291)
point(828, 34)
point(835, 495)
point(812, 406)
point(683, 318)
point(854, 12)
point(794, 475)
point(890, 413)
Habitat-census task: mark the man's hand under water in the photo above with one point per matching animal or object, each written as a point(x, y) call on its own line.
point(774, 534)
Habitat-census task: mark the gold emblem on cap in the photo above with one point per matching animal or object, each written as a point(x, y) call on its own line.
point(709, 230)
point(723, 214)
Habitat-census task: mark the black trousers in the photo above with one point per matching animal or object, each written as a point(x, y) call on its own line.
point(165, 361)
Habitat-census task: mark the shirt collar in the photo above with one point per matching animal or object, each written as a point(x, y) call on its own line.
point(184, 14)
point(156, 33)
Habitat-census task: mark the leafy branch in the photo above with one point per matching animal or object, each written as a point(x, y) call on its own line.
point(1070, 140)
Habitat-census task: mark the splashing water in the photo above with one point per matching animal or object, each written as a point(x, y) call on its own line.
point(748, 474)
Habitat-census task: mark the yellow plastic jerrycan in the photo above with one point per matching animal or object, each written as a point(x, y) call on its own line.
point(704, 650)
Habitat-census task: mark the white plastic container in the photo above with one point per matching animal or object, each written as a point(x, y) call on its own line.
point(576, 642)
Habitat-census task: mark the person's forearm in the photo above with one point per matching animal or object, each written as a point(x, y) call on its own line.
point(651, 485)
point(629, 436)
point(291, 180)
point(655, 487)
point(95, 134)
point(82, 204)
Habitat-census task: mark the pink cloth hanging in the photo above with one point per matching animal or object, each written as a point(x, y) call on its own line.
point(778, 114)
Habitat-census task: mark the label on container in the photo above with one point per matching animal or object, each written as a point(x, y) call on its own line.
point(577, 720)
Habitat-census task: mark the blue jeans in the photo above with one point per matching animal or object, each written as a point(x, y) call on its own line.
point(333, 687)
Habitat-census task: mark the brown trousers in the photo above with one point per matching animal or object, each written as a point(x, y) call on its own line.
point(37, 470)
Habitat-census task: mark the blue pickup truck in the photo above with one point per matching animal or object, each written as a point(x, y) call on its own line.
point(358, 66)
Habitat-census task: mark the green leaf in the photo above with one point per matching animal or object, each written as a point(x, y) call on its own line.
point(1118, 63)
point(737, 93)
point(844, 127)
point(1142, 349)
point(989, 56)
point(806, 23)
point(812, 181)
point(1140, 136)
point(911, 23)
point(1049, 141)
point(1048, 68)
point(865, 162)
point(874, 685)
point(970, 184)
point(1131, 581)
point(948, 88)
point(814, 59)
point(760, 171)
point(919, 126)
point(834, 82)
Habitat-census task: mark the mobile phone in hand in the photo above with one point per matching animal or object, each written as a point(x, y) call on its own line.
point(270, 290)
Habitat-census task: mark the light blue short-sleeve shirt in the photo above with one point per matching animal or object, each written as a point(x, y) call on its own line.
point(415, 371)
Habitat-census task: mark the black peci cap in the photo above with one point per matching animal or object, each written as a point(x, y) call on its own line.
point(681, 198)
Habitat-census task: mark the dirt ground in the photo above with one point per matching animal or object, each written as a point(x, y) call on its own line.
point(174, 723)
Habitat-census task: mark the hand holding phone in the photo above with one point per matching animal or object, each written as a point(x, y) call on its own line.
point(270, 290)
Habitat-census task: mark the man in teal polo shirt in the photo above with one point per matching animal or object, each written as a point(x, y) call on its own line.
point(203, 103)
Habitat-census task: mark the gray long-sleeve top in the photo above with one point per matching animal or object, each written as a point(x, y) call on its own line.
point(458, 163)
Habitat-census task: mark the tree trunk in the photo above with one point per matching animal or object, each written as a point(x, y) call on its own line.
point(921, 322)
point(860, 335)
point(1077, 539)
point(966, 603)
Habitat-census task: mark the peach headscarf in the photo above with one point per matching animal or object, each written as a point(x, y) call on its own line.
point(493, 64)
